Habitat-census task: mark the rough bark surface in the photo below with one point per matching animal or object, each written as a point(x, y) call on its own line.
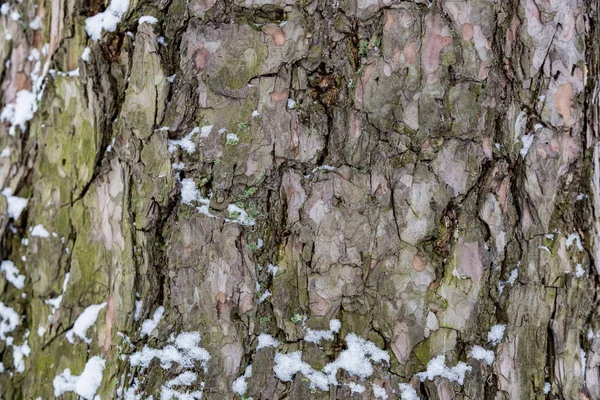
point(426, 173)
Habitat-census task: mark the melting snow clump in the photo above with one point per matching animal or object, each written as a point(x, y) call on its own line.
point(55, 302)
point(138, 310)
point(16, 205)
point(573, 237)
point(356, 388)
point(12, 274)
point(479, 353)
point(264, 296)
point(265, 340)
point(315, 336)
point(84, 322)
point(86, 384)
point(150, 324)
point(85, 56)
point(437, 367)
point(407, 392)
point(496, 334)
point(379, 392)
point(40, 231)
point(185, 143)
point(186, 378)
point(9, 320)
point(356, 360)
point(288, 365)
point(185, 351)
point(147, 19)
point(240, 385)
point(21, 111)
point(106, 20)
point(527, 141)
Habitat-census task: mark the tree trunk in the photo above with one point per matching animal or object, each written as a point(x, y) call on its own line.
point(358, 198)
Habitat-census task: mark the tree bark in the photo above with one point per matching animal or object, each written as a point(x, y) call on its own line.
point(427, 174)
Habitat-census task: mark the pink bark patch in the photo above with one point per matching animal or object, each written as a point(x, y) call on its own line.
point(277, 34)
point(433, 43)
point(201, 57)
point(389, 21)
point(467, 31)
point(358, 94)
point(484, 69)
point(401, 344)
point(503, 192)
point(487, 146)
point(419, 263)
point(410, 52)
point(569, 147)
point(277, 97)
point(549, 149)
point(469, 262)
point(319, 306)
point(562, 102)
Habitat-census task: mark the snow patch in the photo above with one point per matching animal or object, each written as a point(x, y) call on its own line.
point(12, 274)
point(315, 336)
point(16, 205)
point(147, 19)
point(186, 378)
point(85, 320)
point(185, 143)
point(527, 141)
point(86, 384)
point(184, 352)
point(150, 324)
point(265, 340)
point(479, 353)
point(9, 320)
point(496, 334)
point(205, 131)
point(264, 296)
point(288, 365)
point(36, 23)
point(407, 392)
point(231, 139)
point(85, 56)
point(574, 237)
point(437, 368)
point(40, 231)
point(583, 360)
point(356, 360)
point(272, 269)
point(55, 302)
point(106, 20)
point(239, 215)
point(356, 388)
point(19, 354)
point(138, 310)
point(379, 392)
point(21, 111)
point(240, 385)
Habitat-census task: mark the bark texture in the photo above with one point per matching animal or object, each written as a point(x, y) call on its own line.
point(426, 173)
